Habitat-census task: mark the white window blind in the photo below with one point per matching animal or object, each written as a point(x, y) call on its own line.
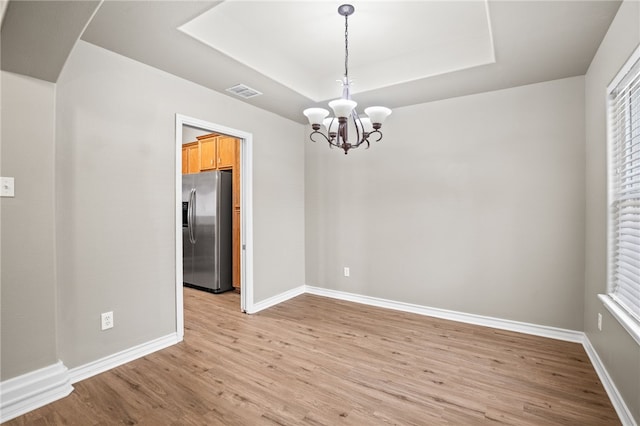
point(624, 188)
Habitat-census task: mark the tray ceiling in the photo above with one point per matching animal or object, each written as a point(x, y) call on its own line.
point(302, 46)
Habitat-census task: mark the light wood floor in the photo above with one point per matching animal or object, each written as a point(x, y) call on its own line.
point(319, 361)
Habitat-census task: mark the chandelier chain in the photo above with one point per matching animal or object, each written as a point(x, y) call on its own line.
point(346, 48)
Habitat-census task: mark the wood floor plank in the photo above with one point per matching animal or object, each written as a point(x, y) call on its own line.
point(318, 361)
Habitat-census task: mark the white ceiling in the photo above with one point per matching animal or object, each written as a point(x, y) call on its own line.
point(302, 47)
point(401, 52)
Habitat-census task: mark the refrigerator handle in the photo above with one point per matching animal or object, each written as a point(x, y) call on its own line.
point(191, 217)
point(189, 207)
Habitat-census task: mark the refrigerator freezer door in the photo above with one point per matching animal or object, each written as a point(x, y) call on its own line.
point(205, 262)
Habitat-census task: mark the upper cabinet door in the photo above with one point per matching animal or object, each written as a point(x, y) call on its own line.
point(193, 158)
point(185, 160)
point(208, 153)
point(226, 152)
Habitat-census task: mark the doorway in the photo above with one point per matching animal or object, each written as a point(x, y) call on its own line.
point(246, 213)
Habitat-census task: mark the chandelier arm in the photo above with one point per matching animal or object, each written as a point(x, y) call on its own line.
point(364, 140)
point(329, 140)
point(356, 121)
point(378, 133)
point(315, 132)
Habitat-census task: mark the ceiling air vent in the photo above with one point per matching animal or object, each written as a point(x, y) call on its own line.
point(243, 91)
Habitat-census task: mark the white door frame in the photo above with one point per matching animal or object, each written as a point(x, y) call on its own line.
point(246, 213)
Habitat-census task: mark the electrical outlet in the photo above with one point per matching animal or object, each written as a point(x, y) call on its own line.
point(107, 320)
point(346, 271)
point(7, 187)
point(599, 321)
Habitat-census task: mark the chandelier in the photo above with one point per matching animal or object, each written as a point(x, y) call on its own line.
point(337, 127)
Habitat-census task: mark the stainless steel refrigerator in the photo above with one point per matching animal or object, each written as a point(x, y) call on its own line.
point(206, 230)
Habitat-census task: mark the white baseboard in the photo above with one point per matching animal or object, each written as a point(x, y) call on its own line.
point(38, 388)
point(33, 390)
point(502, 324)
point(616, 399)
point(278, 298)
point(101, 365)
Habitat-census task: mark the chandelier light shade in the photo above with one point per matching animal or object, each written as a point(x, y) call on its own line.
point(345, 116)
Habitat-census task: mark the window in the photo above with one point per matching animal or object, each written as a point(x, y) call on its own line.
point(623, 298)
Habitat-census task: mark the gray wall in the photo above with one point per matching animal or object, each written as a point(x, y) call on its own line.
point(28, 314)
point(619, 352)
point(115, 198)
point(473, 204)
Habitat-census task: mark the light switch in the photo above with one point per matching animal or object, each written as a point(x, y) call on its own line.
point(6, 187)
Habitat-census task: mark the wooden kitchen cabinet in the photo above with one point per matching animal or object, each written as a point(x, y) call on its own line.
point(208, 153)
point(185, 161)
point(217, 152)
point(190, 158)
point(226, 152)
